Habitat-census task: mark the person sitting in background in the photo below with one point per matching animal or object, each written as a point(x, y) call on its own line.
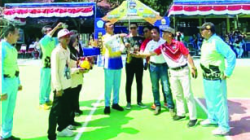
point(237, 43)
point(179, 36)
point(199, 41)
point(91, 41)
point(32, 50)
point(38, 48)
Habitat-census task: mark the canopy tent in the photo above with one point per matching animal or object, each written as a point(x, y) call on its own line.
point(16, 11)
point(209, 7)
point(134, 11)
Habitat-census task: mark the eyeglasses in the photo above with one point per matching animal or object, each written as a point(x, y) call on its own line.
point(145, 31)
point(132, 28)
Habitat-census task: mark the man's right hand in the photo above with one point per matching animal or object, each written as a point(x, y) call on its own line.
point(127, 45)
point(59, 93)
point(59, 25)
point(4, 97)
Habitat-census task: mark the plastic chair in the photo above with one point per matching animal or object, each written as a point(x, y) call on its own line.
point(22, 51)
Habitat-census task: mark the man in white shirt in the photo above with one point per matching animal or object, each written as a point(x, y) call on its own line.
point(177, 57)
point(158, 71)
point(61, 82)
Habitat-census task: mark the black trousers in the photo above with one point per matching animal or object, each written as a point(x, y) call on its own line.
point(131, 70)
point(59, 113)
point(74, 107)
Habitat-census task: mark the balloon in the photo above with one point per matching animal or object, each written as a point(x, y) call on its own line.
point(85, 64)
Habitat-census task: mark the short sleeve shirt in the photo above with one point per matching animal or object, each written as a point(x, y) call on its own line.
point(173, 53)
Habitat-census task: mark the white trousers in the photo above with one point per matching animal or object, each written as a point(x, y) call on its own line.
point(180, 83)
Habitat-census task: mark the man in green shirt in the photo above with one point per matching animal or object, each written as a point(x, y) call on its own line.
point(47, 43)
point(10, 80)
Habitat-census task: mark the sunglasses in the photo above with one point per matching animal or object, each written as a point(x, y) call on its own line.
point(145, 31)
point(132, 28)
point(204, 29)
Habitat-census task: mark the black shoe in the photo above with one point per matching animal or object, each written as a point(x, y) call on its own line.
point(176, 118)
point(157, 110)
point(10, 138)
point(192, 123)
point(78, 113)
point(117, 107)
point(76, 124)
point(107, 110)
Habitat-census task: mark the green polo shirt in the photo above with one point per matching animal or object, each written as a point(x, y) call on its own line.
point(9, 59)
point(48, 43)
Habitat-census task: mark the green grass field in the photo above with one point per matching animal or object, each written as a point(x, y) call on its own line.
point(30, 123)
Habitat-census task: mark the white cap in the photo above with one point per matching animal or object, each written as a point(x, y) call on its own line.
point(63, 33)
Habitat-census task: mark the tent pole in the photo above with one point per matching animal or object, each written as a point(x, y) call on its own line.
point(235, 23)
point(200, 21)
point(128, 15)
point(228, 25)
point(174, 22)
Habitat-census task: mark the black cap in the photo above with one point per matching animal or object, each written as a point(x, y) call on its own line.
point(207, 26)
point(167, 29)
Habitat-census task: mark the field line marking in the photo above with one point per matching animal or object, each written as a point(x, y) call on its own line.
point(88, 119)
point(204, 108)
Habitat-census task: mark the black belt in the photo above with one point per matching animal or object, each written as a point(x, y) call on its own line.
point(211, 77)
point(8, 76)
point(158, 63)
point(179, 68)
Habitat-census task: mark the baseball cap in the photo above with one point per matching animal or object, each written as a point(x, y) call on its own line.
point(207, 26)
point(167, 29)
point(63, 32)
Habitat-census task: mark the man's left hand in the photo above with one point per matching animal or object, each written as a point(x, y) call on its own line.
point(20, 87)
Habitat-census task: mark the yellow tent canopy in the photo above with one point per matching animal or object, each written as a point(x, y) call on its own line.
point(134, 11)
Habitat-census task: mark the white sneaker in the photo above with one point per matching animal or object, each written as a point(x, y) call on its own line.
point(207, 122)
point(65, 133)
point(128, 107)
point(219, 131)
point(71, 127)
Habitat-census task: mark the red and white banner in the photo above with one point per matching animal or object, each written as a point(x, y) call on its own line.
point(48, 12)
point(232, 9)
